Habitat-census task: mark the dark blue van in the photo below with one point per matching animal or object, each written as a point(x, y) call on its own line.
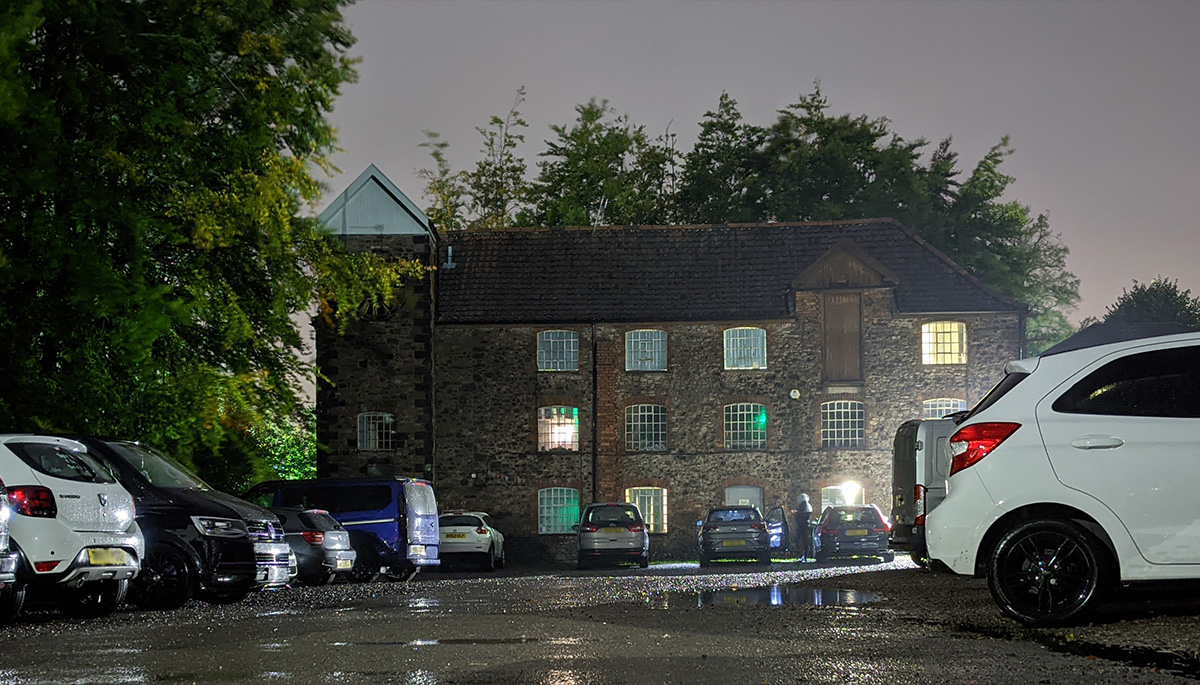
point(392, 521)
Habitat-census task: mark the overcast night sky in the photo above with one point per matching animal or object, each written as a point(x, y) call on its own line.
point(1101, 99)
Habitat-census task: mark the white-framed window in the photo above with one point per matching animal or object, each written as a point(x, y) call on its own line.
point(558, 428)
point(745, 426)
point(558, 510)
point(652, 502)
point(940, 406)
point(375, 430)
point(745, 348)
point(944, 342)
point(646, 350)
point(558, 351)
point(645, 428)
point(843, 424)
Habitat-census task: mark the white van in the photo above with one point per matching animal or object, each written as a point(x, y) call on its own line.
point(920, 467)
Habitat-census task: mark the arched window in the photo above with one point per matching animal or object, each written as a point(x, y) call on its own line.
point(944, 342)
point(745, 348)
point(645, 428)
point(375, 430)
point(745, 426)
point(558, 510)
point(843, 424)
point(652, 502)
point(939, 407)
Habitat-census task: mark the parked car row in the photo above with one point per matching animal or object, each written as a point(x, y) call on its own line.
point(87, 523)
point(1076, 473)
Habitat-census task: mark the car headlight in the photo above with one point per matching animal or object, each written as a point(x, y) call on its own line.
point(219, 527)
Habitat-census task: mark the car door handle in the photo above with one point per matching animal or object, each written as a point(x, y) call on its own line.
point(1097, 442)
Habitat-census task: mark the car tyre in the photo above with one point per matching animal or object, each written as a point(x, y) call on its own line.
point(1047, 573)
point(12, 598)
point(489, 560)
point(704, 560)
point(93, 600)
point(502, 562)
point(222, 597)
point(822, 557)
point(584, 562)
point(366, 566)
point(644, 560)
point(166, 580)
point(888, 557)
point(764, 559)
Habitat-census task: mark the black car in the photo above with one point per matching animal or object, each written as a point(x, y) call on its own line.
point(321, 544)
point(852, 530)
point(199, 541)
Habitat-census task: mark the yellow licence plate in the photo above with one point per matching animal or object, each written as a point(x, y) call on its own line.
point(734, 543)
point(455, 536)
point(857, 531)
point(343, 564)
point(614, 529)
point(106, 557)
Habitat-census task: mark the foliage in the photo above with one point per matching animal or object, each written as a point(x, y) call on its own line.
point(1160, 300)
point(290, 448)
point(497, 187)
point(718, 182)
point(445, 189)
point(156, 159)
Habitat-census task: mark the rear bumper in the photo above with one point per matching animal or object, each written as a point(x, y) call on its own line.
point(8, 568)
point(340, 560)
point(849, 547)
point(718, 550)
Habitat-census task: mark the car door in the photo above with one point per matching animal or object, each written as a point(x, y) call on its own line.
point(777, 528)
point(1126, 431)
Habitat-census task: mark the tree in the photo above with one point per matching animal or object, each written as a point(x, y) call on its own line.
point(1160, 300)
point(446, 190)
point(603, 170)
point(155, 161)
point(497, 188)
point(719, 174)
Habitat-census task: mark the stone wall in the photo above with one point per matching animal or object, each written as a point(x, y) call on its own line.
point(382, 363)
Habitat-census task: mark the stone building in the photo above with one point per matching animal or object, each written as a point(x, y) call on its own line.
point(677, 367)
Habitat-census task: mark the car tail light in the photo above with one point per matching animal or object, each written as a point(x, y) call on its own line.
point(919, 497)
point(758, 526)
point(313, 537)
point(481, 530)
point(919, 520)
point(884, 529)
point(971, 443)
point(46, 566)
point(589, 529)
point(708, 528)
point(637, 528)
point(33, 500)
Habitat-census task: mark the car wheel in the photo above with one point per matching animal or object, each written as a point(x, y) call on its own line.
point(644, 561)
point(822, 557)
point(1045, 573)
point(704, 561)
point(12, 598)
point(765, 559)
point(584, 563)
point(93, 600)
point(222, 597)
point(503, 560)
point(166, 580)
point(489, 560)
point(403, 576)
point(366, 566)
point(888, 557)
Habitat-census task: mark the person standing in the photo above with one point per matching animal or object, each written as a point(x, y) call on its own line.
point(804, 512)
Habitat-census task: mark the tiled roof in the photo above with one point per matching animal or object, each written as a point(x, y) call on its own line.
point(681, 273)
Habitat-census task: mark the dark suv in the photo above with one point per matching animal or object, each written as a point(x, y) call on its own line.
point(734, 532)
point(852, 530)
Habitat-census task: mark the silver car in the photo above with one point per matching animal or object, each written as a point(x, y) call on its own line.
point(612, 532)
point(734, 532)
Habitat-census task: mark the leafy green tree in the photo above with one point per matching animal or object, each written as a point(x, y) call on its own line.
point(497, 187)
point(720, 174)
point(289, 448)
point(155, 159)
point(1160, 300)
point(603, 170)
point(445, 189)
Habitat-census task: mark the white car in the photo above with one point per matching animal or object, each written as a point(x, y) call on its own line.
point(1076, 472)
point(471, 534)
point(10, 603)
point(72, 524)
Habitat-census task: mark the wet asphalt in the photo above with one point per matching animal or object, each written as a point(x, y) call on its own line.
point(671, 623)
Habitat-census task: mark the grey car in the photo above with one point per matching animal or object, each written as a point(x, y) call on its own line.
point(320, 545)
point(852, 530)
point(734, 532)
point(612, 532)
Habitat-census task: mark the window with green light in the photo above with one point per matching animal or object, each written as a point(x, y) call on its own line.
point(745, 426)
point(558, 510)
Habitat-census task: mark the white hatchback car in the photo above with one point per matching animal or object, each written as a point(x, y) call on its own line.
point(471, 534)
point(72, 524)
point(1076, 472)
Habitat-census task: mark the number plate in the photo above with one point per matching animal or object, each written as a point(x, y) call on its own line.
point(614, 529)
point(734, 543)
point(344, 564)
point(455, 536)
point(857, 531)
point(106, 557)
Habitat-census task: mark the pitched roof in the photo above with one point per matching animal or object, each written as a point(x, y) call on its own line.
point(683, 273)
point(373, 205)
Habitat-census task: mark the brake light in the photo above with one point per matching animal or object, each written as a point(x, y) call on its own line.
point(710, 527)
point(45, 566)
point(919, 497)
point(33, 500)
point(919, 520)
point(589, 529)
point(313, 537)
point(758, 526)
point(481, 530)
point(637, 528)
point(971, 443)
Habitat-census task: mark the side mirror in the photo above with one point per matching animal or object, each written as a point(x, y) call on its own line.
point(699, 523)
point(575, 527)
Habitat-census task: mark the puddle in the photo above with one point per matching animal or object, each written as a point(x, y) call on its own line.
point(770, 595)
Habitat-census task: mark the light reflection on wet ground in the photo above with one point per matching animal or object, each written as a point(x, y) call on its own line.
point(771, 595)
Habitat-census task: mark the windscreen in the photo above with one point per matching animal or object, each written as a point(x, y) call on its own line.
point(420, 498)
point(157, 467)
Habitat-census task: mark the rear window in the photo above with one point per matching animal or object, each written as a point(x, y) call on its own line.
point(338, 499)
point(733, 515)
point(472, 521)
point(59, 462)
point(1001, 389)
point(852, 518)
point(316, 520)
point(621, 515)
point(420, 498)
